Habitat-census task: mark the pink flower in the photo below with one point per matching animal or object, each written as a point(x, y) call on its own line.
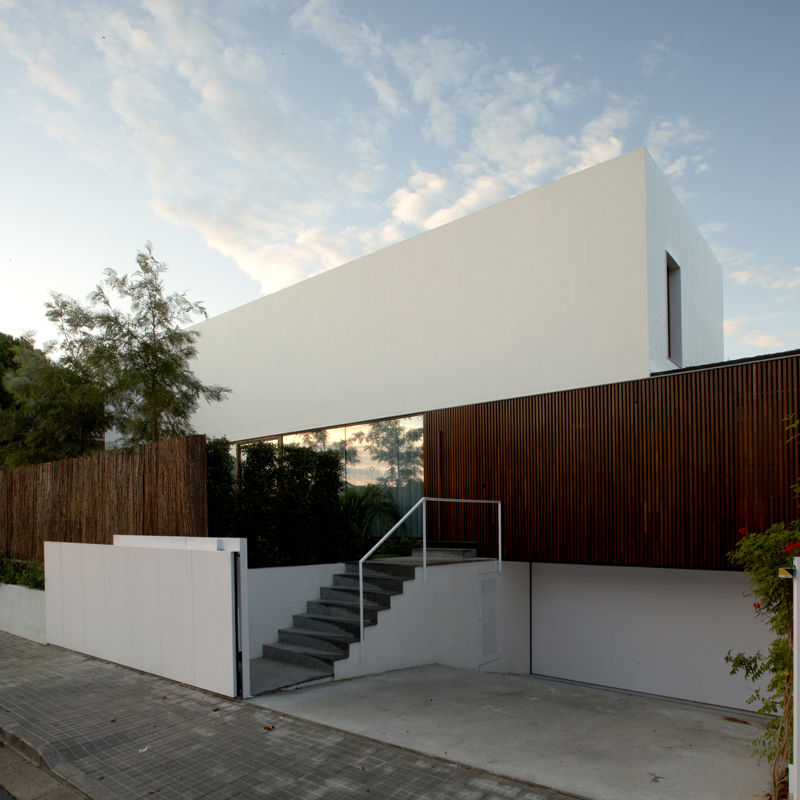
point(757, 606)
point(742, 531)
point(791, 547)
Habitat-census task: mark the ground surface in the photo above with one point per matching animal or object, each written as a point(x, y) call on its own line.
point(22, 780)
point(117, 734)
point(599, 743)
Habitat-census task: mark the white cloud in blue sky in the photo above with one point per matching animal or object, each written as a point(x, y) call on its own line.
point(257, 143)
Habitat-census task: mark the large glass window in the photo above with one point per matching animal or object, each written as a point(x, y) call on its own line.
point(386, 452)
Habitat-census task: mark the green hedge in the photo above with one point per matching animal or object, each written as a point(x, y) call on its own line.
point(287, 505)
point(292, 505)
point(22, 573)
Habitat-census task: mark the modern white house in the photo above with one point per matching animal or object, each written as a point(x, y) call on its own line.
point(577, 283)
point(599, 279)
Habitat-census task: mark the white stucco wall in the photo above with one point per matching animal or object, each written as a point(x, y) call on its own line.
point(670, 230)
point(466, 615)
point(276, 593)
point(662, 631)
point(545, 291)
point(162, 610)
point(22, 612)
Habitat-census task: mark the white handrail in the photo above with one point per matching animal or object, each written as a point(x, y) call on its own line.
point(420, 502)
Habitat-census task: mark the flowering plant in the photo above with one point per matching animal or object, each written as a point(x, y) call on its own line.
point(761, 555)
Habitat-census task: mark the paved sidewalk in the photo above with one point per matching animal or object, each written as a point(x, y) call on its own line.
point(117, 734)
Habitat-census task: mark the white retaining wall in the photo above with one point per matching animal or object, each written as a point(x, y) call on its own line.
point(661, 631)
point(466, 615)
point(165, 611)
point(22, 612)
point(276, 593)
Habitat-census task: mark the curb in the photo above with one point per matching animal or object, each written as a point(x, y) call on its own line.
point(36, 756)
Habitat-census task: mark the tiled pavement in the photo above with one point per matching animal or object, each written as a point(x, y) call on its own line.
point(117, 734)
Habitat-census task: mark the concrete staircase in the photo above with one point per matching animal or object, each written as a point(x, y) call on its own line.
point(324, 633)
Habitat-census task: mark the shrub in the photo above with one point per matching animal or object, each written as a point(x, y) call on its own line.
point(22, 573)
point(288, 505)
point(761, 555)
point(220, 488)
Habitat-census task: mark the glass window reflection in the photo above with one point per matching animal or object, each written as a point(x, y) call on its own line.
point(386, 452)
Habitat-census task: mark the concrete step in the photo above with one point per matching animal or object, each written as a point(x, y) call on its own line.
point(326, 622)
point(380, 597)
point(334, 641)
point(446, 553)
point(343, 608)
point(301, 655)
point(390, 583)
point(376, 567)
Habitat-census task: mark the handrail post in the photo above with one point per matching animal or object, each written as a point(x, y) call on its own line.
point(499, 536)
point(361, 610)
point(424, 542)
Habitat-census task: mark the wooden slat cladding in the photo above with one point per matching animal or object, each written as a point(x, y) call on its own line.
point(155, 489)
point(656, 472)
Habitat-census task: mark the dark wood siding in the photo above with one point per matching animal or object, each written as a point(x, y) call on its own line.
point(655, 472)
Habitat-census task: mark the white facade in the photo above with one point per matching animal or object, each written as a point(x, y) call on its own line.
point(558, 288)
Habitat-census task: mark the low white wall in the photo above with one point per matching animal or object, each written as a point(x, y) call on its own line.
point(466, 615)
point(662, 631)
point(22, 612)
point(276, 593)
point(227, 544)
point(165, 611)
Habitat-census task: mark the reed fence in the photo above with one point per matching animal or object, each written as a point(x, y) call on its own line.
point(155, 489)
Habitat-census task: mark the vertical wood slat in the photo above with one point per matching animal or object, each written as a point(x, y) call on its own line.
point(656, 472)
point(157, 489)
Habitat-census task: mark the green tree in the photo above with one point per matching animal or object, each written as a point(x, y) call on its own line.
point(8, 345)
point(49, 411)
point(140, 355)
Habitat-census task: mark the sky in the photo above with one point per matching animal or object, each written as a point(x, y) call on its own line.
point(258, 142)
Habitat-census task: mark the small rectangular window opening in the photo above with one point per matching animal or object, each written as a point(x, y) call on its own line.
point(674, 348)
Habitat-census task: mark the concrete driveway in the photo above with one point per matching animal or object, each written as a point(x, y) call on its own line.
point(603, 744)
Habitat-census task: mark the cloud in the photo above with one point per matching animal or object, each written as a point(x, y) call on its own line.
point(600, 139)
point(45, 55)
point(290, 174)
point(746, 334)
point(678, 146)
point(743, 268)
point(710, 228)
point(654, 57)
point(660, 61)
point(768, 276)
point(355, 42)
point(385, 93)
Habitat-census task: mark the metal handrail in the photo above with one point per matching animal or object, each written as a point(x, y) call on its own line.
point(420, 502)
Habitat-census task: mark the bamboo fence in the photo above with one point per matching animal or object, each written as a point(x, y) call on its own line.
point(155, 489)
